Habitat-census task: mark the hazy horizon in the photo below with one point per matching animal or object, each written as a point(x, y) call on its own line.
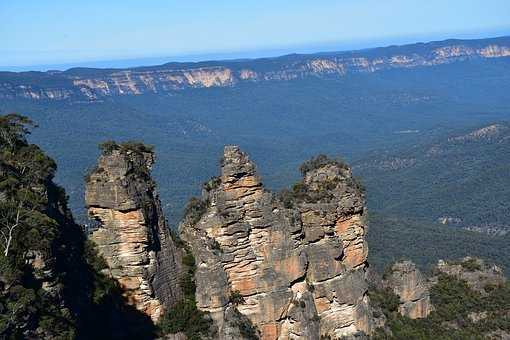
point(253, 54)
point(60, 35)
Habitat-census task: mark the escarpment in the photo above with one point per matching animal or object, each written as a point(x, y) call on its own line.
point(132, 235)
point(97, 84)
point(290, 266)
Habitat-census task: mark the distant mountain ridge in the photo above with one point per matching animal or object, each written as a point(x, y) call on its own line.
point(89, 84)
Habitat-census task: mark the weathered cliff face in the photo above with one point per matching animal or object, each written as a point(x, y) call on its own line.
point(295, 270)
point(132, 235)
point(97, 84)
point(408, 283)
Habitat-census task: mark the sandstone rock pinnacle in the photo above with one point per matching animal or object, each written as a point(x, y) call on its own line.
point(289, 267)
point(132, 235)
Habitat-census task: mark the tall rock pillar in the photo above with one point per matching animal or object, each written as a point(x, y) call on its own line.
point(132, 235)
point(289, 266)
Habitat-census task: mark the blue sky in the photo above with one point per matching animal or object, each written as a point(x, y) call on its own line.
point(35, 32)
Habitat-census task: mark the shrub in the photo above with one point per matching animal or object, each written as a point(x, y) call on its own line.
point(498, 296)
point(287, 198)
point(185, 317)
point(358, 182)
point(388, 272)
point(236, 298)
point(108, 146)
point(298, 193)
point(136, 146)
point(386, 299)
point(212, 183)
point(320, 161)
point(104, 287)
point(453, 298)
point(89, 172)
point(310, 285)
point(195, 209)
point(188, 260)
point(471, 265)
point(188, 279)
point(177, 239)
point(248, 330)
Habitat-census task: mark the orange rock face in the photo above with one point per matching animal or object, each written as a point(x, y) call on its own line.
point(124, 243)
point(132, 235)
point(300, 270)
point(410, 286)
point(352, 232)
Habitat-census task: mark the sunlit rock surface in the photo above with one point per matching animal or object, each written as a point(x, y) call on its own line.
point(299, 269)
point(132, 234)
point(408, 283)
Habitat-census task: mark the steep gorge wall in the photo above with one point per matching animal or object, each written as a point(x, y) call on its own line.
point(295, 268)
point(91, 85)
point(132, 234)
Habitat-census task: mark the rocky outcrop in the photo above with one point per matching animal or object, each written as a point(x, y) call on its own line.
point(411, 287)
point(132, 234)
point(293, 266)
point(95, 84)
point(486, 133)
point(477, 274)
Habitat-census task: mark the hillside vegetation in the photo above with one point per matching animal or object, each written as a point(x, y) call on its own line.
point(393, 238)
point(462, 179)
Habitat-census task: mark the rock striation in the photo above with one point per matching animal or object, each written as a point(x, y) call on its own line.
point(97, 84)
point(408, 283)
point(132, 234)
point(289, 267)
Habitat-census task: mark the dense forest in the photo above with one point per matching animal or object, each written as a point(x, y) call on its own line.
point(462, 177)
point(395, 238)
